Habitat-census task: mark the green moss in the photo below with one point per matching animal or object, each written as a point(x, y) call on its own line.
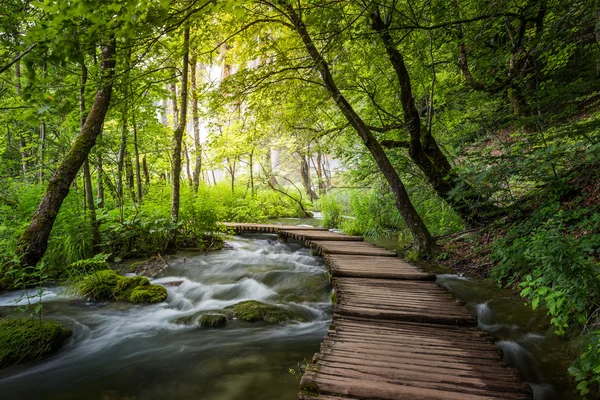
point(107, 285)
point(333, 298)
point(212, 320)
point(310, 388)
point(26, 339)
point(148, 294)
point(252, 310)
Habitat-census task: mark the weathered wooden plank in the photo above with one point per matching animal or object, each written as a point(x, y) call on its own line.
point(299, 234)
point(349, 248)
point(358, 266)
point(363, 387)
point(267, 228)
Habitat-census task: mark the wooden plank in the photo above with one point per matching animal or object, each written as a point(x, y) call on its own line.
point(349, 248)
point(359, 266)
point(267, 228)
point(299, 234)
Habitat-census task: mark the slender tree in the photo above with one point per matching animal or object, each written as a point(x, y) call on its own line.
point(178, 138)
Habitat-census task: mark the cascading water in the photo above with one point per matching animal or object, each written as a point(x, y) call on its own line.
point(127, 351)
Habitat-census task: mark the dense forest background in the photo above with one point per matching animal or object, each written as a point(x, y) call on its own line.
point(470, 130)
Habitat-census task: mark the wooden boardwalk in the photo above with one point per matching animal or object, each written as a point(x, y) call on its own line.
point(395, 334)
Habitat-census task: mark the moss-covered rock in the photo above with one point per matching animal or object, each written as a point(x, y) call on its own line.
point(148, 294)
point(204, 319)
point(107, 285)
point(252, 310)
point(212, 320)
point(27, 339)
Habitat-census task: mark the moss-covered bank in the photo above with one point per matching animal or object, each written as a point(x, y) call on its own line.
point(107, 285)
point(27, 339)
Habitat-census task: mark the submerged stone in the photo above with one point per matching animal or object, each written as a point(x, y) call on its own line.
point(28, 339)
point(203, 319)
point(252, 310)
point(107, 285)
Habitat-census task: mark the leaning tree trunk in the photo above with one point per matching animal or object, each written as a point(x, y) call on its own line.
point(422, 239)
point(87, 175)
point(177, 139)
point(422, 147)
point(33, 243)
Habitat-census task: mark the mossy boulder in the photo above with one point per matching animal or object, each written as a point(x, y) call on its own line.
point(252, 310)
point(204, 319)
point(107, 285)
point(212, 320)
point(27, 339)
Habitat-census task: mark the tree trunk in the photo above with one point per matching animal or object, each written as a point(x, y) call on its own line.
point(138, 174)
point(33, 243)
point(269, 169)
point(87, 176)
point(42, 137)
point(146, 173)
point(422, 240)
point(41, 154)
point(187, 164)
point(196, 123)
point(22, 142)
point(423, 148)
point(177, 139)
point(121, 159)
point(305, 175)
point(129, 174)
point(251, 166)
point(99, 182)
point(319, 171)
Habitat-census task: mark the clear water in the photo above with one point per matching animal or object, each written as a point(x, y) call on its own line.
point(125, 351)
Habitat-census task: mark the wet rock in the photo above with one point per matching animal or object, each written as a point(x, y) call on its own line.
point(212, 320)
point(28, 339)
point(107, 285)
point(204, 319)
point(172, 284)
point(153, 267)
point(252, 310)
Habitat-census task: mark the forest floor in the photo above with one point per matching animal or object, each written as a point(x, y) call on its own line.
point(468, 253)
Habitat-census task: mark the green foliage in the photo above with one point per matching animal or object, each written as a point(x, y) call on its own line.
point(586, 369)
point(26, 339)
point(107, 285)
point(554, 256)
point(332, 211)
point(373, 213)
point(84, 267)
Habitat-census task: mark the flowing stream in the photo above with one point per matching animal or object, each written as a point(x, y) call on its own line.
point(122, 351)
point(127, 351)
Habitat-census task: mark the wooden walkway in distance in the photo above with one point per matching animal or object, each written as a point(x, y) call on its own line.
point(395, 333)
